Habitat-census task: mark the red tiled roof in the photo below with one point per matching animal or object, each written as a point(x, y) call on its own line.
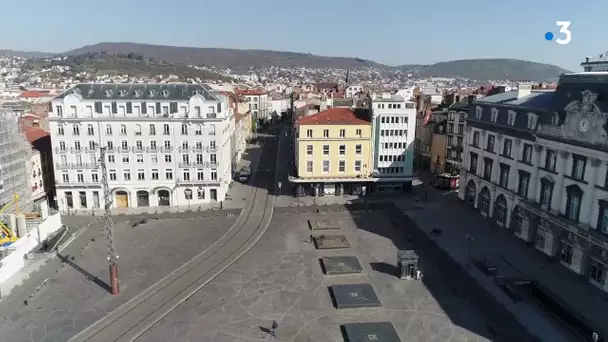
point(251, 92)
point(31, 94)
point(334, 116)
point(338, 95)
point(33, 133)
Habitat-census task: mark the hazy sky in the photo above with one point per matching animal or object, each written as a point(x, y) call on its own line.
point(388, 31)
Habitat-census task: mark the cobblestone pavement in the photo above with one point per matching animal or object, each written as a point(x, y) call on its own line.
point(281, 279)
point(75, 293)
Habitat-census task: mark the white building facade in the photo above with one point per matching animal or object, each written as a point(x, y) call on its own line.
point(165, 145)
point(393, 135)
point(597, 63)
point(258, 103)
point(537, 165)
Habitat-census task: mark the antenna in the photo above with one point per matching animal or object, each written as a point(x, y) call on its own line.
point(109, 224)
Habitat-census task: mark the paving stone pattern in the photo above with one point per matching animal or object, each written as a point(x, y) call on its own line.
point(74, 295)
point(281, 279)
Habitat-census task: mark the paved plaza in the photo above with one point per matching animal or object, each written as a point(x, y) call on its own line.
point(74, 294)
point(281, 279)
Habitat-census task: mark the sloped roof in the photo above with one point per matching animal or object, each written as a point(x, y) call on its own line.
point(33, 133)
point(334, 116)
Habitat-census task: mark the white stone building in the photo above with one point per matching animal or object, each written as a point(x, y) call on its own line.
point(393, 135)
point(166, 145)
point(258, 102)
point(536, 163)
point(597, 63)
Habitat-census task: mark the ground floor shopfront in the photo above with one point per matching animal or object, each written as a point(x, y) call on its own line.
point(337, 187)
point(583, 251)
point(139, 197)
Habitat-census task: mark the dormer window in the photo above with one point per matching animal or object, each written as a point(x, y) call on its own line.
point(152, 93)
point(494, 115)
point(109, 92)
point(511, 119)
point(532, 119)
point(137, 93)
point(478, 112)
point(555, 119)
point(166, 93)
point(122, 92)
point(195, 92)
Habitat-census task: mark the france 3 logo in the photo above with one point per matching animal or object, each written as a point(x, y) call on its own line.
point(564, 30)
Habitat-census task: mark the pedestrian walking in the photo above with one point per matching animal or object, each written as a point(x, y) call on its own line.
point(275, 325)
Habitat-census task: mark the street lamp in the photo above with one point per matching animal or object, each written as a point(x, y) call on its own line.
point(280, 185)
point(470, 241)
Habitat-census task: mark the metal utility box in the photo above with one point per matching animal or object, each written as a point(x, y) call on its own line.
point(407, 264)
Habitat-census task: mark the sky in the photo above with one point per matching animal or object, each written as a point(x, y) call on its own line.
point(393, 32)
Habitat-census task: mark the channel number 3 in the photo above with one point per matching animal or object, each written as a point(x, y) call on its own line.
point(564, 27)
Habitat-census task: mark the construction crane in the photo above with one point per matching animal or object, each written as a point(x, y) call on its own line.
point(7, 236)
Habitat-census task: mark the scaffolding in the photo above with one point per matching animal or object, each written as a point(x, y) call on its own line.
point(15, 153)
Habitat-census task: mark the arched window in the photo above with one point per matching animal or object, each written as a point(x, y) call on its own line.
point(123, 130)
point(90, 130)
point(60, 130)
point(152, 129)
point(198, 130)
point(108, 129)
point(211, 129)
point(501, 210)
point(137, 130)
point(188, 194)
point(184, 129)
point(76, 130)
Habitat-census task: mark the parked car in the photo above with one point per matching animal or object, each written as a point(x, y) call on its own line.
point(244, 175)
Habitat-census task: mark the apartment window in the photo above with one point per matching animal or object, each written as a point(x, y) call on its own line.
point(325, 133)
point(511, 117)
point(152, 129)
point(126, 175)
point(573, 202)
point(154, 158)
point(358, 133)
point(59, 111)
point(213, 158)
point(532, 119)
point(141, 175)
point(342, 150)
point(550, 160)
point(358, 149)
point(185, 146)
point(341, 166)
point(487, 168)
point(473, 163)
point(167, 144)
point(597, 272)
point(546, 191)
point(198, 130)
point(137, 129)
point(578, 167)
point(566, 254)
point(527, 155)
point(169, 174)
point(112, 175)
point(506, 148)
point(186, 175)
point(125, 159)
point(357, 166)
point(524, 182)
point(186, 159)
point(96, 199)
point(450, 128)
point(490, 144)
point(139, 158)
point(184, 129)
point(123, 130)
point(91, 145)
point(309, 133)
point(200, 175)
point(326, 166)
point(197, 111)
point(309, 166)
point(325, 150)
point(124, 145)
point(90, 130)
point(342, 133)
point(77, 145)
point(309, 150)
point(199, 159)
point(60, 130)
point(166, 130)
point(62, 145)
point(80, 177)
point(167, 158)
point(154, 174)
point(494, 115)
point(94, 177)
point(83, 199)
point(504, 175)
point(214, 175)
point(108, 130)
point(475, 139)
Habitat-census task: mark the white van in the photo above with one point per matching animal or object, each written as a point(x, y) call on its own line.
point(244, 174)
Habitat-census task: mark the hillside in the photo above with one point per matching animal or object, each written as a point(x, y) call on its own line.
point(119, 64)
point(24, 54)
point(493, 69)
point(237, 60)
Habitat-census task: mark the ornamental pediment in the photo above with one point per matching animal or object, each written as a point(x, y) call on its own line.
point(584, 121)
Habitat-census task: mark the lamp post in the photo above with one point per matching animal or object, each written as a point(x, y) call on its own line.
point(470, 241)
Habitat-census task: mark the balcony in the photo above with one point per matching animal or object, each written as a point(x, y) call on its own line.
point(204, 164)
point(67, 166)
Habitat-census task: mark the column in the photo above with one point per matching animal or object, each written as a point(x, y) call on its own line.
point(589, 194)
point(535, 194)
point(562, 162)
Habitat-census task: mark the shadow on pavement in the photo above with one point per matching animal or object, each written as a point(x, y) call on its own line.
point(69, 260)
point(445, 278)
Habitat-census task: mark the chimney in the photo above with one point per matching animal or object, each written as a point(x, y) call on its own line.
point(586, 59)
point(470, 99)
point(524, 89)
